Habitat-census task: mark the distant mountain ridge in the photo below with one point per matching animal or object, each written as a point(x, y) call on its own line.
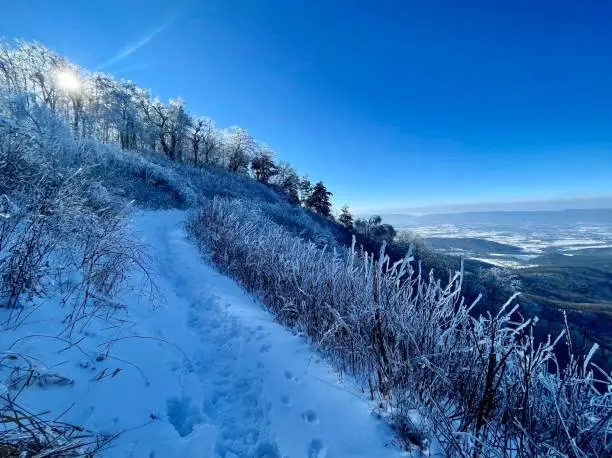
point(548, 217)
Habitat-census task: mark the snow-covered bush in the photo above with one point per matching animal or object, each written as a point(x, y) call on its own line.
point(58, 220)
point(477, 386)
point(65, 237)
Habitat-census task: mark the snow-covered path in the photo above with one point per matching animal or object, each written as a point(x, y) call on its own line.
point(241, 385)
point(263, 389)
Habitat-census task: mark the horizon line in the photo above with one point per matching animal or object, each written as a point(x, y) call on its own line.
point(532, 205)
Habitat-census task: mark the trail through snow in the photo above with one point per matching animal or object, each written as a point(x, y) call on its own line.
point(241, 385)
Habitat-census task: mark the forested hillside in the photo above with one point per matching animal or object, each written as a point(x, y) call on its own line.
point(80, 151)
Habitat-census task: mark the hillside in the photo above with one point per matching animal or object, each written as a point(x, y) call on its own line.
point(206, 372)
point(171, 289)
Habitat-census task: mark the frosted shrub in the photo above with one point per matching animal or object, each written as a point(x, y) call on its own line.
point(478, 386)
point(57, 221)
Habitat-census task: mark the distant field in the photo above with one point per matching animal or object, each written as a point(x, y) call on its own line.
point(560, 268)
point(471, 244)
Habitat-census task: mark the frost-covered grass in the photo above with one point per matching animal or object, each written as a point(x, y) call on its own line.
point(65, 242)
point(64, 238)
point(69, 174)
point(479, 386)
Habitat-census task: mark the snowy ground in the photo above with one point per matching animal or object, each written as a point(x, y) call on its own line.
point(206, 374)
point(532, 239)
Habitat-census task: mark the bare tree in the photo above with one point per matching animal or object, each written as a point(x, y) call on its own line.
point(239, 147)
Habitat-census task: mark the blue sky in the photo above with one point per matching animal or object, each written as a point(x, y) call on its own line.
point(392, 104)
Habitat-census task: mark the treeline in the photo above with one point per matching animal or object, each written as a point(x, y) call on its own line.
point(111, 111)
point(118, 112)
point(99, 107)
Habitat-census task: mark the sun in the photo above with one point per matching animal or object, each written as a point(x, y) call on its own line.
point(68, 81)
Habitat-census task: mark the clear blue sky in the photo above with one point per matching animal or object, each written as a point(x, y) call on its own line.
point(391, 103)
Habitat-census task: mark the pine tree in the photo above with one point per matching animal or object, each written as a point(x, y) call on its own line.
point(319, 199)
point(345, 218)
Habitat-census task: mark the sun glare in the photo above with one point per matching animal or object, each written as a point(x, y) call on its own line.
point(68, 81)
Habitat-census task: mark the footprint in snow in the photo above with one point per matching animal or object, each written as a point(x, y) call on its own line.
point(265, 348)
point(285, 401)
point(289, 376)
point(316, 449)
point(310, 416)
point(183, 415)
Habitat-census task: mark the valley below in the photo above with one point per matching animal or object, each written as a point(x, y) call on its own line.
point(559, 268)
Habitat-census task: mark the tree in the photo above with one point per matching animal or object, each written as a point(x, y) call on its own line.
point(239, 146)
point(496, 284)
point(319, 199)
point(158, 120)
point(195, 137)
point(179, 121)
point(305, 188)
point(345, 218)
point(211, 141)
point(115, 107)
point(373, 232)
point(263, 165)
point(287, 181)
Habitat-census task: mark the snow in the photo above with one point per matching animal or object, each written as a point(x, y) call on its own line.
point(206, 373)
point(508, 263)
point(531, 239)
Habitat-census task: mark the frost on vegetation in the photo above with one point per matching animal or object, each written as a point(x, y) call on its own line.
point(158, 155)
point(73, 162)
point(63, 235)
point(476, 386)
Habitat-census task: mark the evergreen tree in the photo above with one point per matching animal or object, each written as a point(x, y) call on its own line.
point(345, 218)
point(319, 199)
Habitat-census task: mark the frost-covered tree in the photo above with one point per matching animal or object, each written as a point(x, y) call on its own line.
point(204, 140)
point(194, 135)
point(287, 180)
point(179, 121)
point(345, 218)
point(210, 142)
point(33, 68)
point(495, 285)
point(168, 123)
point(239, 146)
point(319, 199)
point(263, 165)
point(305, 189)
point(97, 106)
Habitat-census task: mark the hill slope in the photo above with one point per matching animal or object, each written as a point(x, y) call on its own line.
point(207, 373)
